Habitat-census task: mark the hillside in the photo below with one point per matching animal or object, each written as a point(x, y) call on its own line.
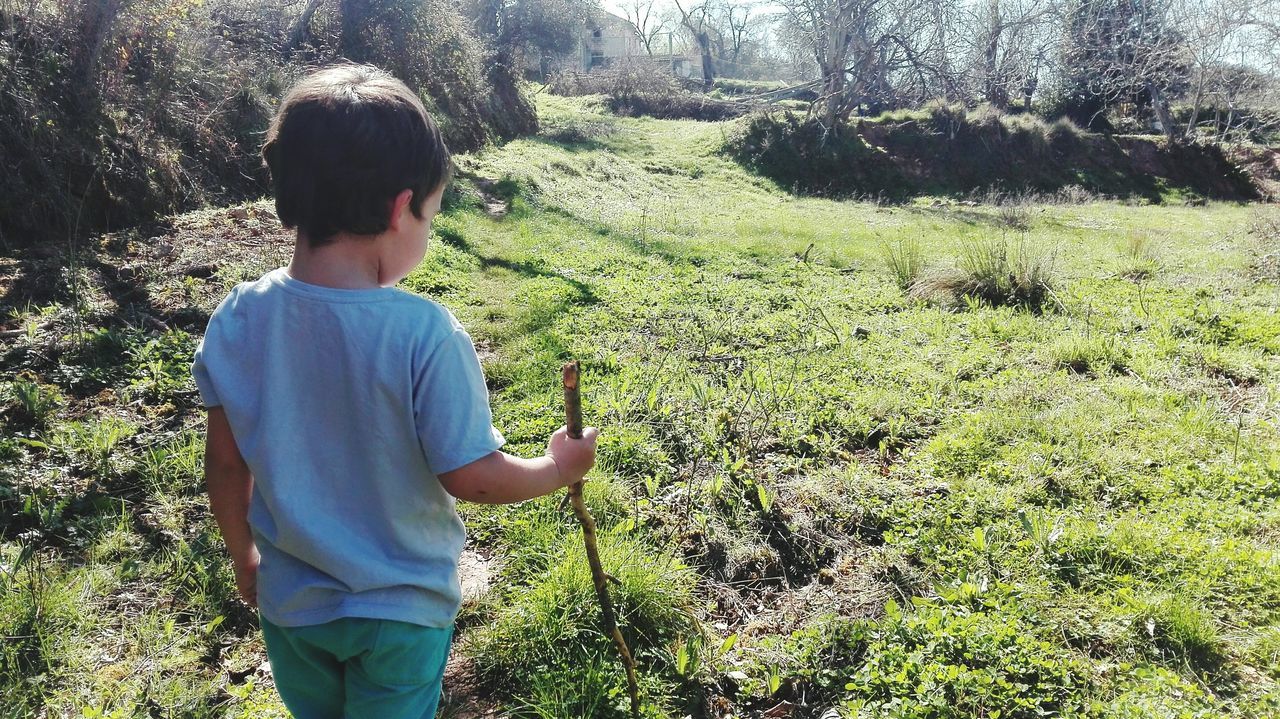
point(948, 150)
point(827, 483)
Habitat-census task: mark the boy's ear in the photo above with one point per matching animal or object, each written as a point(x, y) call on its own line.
point(399, 205)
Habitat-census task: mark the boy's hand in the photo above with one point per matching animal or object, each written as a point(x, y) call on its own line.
point(573, 457)
point(246, 571)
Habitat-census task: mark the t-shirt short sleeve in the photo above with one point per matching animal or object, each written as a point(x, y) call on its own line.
point(451, 407)
point(204, 383)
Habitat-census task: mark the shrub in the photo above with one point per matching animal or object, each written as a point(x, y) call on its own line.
point(728, 86)
point(116, 113)
point(643, 88)
point(620, 80)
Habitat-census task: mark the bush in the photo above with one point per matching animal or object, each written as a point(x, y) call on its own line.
point(116, 113)
point(162, 115)
point(945, 149)
point(642, 88)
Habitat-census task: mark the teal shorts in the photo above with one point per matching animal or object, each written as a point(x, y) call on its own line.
point(358, 668)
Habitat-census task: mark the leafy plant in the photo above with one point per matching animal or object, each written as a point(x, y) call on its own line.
point(31, 402)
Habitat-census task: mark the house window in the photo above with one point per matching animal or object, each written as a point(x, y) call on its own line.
point(597, 59)
point(597, 33)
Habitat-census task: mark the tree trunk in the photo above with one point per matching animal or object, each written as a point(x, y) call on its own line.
point(96, 20)
point(357, 15)
point(1161, 107)
point(708, 71)
point(301, 28)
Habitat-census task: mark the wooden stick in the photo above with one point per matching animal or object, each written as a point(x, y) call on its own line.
point(573, 421)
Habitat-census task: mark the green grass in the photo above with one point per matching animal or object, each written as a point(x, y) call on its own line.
point(813, 487)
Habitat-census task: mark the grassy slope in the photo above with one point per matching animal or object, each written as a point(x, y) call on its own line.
point(814, 492)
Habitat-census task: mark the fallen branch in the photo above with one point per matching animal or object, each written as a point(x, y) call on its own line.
point(573, 417)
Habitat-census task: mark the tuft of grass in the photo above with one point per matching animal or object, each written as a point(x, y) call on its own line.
point(1265, 650)
point(996, 272)
point(905, 259)
point(1086, 354)
point(1179, 631)
point(1139, 258)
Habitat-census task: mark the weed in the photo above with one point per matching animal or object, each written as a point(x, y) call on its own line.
point(947, 659)
point(162, 365)
point(92, 445)
point(30, 403)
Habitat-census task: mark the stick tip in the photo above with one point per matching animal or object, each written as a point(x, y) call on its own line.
point(570, 374)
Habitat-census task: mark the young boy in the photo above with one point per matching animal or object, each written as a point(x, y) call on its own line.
point(346, 415)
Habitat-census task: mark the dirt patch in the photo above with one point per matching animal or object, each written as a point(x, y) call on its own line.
point(464, 695)
point(473, 573)
point(1262, 165)
point(495, 205)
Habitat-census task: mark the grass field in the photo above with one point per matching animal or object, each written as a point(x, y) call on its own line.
point(830, 484)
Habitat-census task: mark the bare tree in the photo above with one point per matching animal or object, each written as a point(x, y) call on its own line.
point(1008, 41)
point(1124, 51)
point(697, 20)
point(648, 24)
point(863, 47)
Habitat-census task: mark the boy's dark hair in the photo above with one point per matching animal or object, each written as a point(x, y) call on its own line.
point(346, 140)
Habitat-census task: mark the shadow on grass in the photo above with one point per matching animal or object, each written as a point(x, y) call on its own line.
point(455, 239)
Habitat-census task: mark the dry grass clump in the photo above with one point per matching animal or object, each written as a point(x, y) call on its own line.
point(623, 78)
point(1139, 258)
point(993, 271)
point(1264, 228)
point(578, 131)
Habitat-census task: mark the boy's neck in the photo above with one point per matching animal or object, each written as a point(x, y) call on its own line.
point(345, 263)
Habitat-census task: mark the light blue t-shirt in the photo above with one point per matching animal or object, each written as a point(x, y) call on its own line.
point(346, 405)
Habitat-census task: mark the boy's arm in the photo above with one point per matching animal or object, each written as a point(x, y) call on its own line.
point(230, 486)
point(499, 478)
